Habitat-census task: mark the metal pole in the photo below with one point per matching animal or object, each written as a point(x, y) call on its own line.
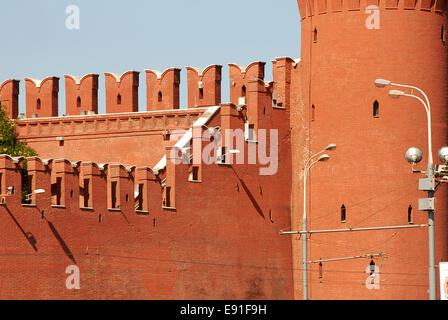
point(431, 233)
point(431, 244)
point(304, 241)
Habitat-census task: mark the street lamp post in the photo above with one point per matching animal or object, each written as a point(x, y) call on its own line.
point(308, 166)
point(430, 174)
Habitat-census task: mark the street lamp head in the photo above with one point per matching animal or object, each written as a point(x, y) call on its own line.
point(381, 83)
point(396, 93)
point(234, 151)
point(443, 155)
point(331, 147)
point(39, 191)
point(414, 155)
point(324, 157)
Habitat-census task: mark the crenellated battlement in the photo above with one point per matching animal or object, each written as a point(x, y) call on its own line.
point(42, 97)
point(163, 92)
point(9, 97)
point(319, 7)
point(81, 94)
point(163, 89)
point(204, 86)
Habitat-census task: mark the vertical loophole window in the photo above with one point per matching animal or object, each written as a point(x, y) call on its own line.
point(78, 102)
point(119, 99)
point(114, 194)
point(58, 191)
point(243, 91)
point(201, 93)
point(320, 270)
point(85, 193)
point(223, 154)
point(410, 215)
point(442, 34)
point(251, 132)
point(315, 35)
point(168, 197)
point(372, 268)
point(139, 198)
point(343, 214)
point(160, 96)
point(376, 109)
point(195, 173)
point(38, 104)
point(313, 113)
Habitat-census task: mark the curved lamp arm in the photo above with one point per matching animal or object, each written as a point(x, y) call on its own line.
point(428, 113)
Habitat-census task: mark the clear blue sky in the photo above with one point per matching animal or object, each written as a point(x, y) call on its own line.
point(117, 36)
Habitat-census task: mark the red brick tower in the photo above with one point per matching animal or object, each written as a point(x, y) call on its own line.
point(346, 45)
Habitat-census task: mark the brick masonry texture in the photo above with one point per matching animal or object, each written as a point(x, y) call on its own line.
point(137, 233)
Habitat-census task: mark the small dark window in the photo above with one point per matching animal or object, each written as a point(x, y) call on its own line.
point(443, 35)
point(195, 173)
point(274, 98)
point(243, 91)
point(100, 218)
point(78, 102)
point(315, 35)
point(410, 215)
point(58, 191)
point(313, 113)
point(114, 194)
point(85, 193)
point(376, 109)
point(223, 155)
point(343, 214)
point(160, 96)
point(27, 183)
point(320, 270)
point(201, 93)
point(139, 199)
point(372, 268)
point(38, 104)
point(71, 193)
point(119, 99)
point(168, 197)
point(251, 132)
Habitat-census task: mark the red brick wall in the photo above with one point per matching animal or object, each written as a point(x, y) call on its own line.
point(199, 250)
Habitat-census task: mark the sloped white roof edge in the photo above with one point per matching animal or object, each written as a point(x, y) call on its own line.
point(184, 142)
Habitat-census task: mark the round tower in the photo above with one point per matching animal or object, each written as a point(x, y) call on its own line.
point(345, 46)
